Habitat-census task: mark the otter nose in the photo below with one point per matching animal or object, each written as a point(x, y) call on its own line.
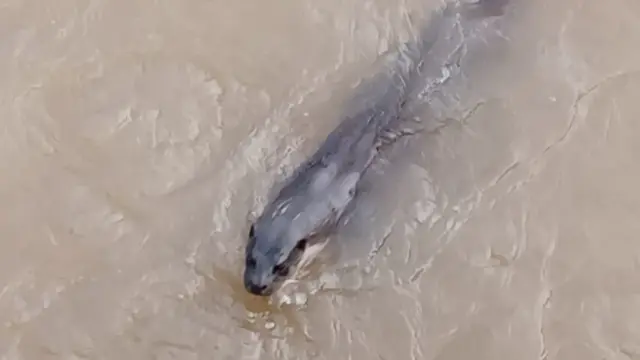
point(256, 289)
point(254, 286)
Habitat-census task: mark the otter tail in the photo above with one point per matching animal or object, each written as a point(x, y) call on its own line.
point(410, 59)
point(439, 25)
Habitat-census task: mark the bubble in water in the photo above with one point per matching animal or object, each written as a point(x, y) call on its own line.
point(270, 325)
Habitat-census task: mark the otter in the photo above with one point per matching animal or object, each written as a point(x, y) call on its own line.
point(297, 223)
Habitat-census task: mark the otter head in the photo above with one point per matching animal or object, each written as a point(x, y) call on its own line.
point(269, 261)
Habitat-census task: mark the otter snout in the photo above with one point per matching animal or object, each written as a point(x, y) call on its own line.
point(257, 285)
point(258, 279)
point(257, 288)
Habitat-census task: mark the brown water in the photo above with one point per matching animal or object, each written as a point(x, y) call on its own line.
point(138, 135)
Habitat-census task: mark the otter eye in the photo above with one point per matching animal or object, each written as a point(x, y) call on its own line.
point(251, 262)
point(281, 270)
point(301, 245)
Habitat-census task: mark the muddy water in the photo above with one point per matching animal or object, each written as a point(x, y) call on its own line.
point(139, 137)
